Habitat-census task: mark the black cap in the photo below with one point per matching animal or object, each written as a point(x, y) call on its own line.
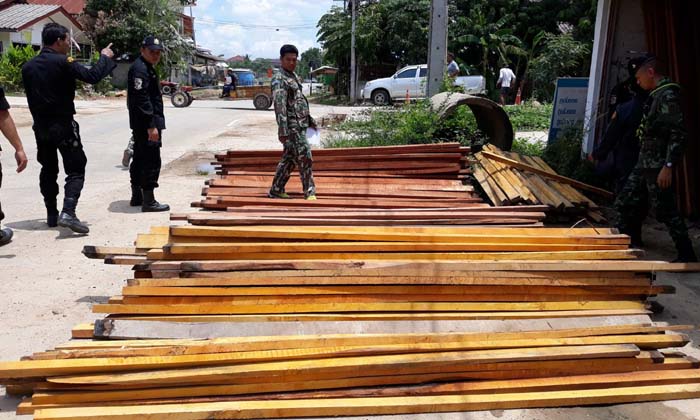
point(636, 63)
point(152, 43)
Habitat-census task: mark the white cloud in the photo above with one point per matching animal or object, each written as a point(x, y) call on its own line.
point(258, 27)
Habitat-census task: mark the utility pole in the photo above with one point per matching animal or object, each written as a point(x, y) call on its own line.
point(437, 46)
point(353, 70)
point(194, 41)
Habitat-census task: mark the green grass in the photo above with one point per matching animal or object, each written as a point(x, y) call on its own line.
point(527, 117)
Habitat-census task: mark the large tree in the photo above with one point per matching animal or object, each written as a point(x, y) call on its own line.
point(310, 59)
point(125, 23)
point(482, 33)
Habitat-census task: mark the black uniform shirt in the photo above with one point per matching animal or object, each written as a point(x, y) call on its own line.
point(49, 82)
point(144, 100)
point(4, 106)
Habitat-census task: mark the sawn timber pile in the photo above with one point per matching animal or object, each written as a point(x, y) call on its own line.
point(322, 316)
point(375, 186)
point(280, 273)
point(356, 374)
point(509, 179)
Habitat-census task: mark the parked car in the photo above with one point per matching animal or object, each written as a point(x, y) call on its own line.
point(413, 79)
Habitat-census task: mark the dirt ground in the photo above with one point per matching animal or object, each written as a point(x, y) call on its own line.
point(47, 286)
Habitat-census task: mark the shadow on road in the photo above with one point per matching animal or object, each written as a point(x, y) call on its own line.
point(65, 233)
point(34, 224)
point(9, 403)
point(122, 206)
point(93, 299)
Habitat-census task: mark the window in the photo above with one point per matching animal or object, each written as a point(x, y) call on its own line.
point(423, 72)
point(407, 74)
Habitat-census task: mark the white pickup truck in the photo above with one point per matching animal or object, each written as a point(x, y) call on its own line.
point(413, 80)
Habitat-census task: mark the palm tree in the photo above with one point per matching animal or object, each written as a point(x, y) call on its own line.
point(492, 41)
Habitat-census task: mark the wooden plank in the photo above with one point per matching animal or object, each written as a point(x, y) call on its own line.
point(104, 251)
point(368, 247)
point(546, 174)
point(419, 268)
point(386, 234)
point(195, 333)
point(380, 405)
point(82, 331)
point(223, 309)
point(402, 290)
point(393, 316)
point(228, 279)
point(627, 254)
point(645, 378)
point(351, 366)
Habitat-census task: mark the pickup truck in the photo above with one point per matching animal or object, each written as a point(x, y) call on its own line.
point(413, 79)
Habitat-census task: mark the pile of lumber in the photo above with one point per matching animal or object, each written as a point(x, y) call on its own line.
point(353, 374)
point(442, 160)
point(288, 308)
point(281, 273)
point(508, 179)
point(373, 186)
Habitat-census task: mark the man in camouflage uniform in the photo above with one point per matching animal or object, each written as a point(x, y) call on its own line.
point(292, 111)
point(661, 135)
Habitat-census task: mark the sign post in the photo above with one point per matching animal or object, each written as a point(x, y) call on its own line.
point(569, 106)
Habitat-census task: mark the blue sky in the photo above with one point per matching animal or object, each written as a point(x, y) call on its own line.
point(257, 27)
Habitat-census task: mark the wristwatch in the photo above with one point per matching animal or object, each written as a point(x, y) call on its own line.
point(669, 165)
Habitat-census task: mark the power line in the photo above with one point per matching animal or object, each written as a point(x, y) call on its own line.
point(254, 26)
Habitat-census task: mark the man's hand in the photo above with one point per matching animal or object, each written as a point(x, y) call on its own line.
point(108, 51)
point(591, 158)
point(21, 159)
point(153, 134)
point(665, 178)
point(283, 139)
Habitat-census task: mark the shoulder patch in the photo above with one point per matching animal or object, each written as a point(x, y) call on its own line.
point(70, 59)
point(138, 83)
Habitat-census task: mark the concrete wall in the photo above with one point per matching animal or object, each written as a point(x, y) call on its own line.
point(619, 35)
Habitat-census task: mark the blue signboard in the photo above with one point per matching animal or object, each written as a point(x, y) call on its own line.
point(569, 105)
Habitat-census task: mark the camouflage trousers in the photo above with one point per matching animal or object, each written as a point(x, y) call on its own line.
point(631, 205)
point(297, 153)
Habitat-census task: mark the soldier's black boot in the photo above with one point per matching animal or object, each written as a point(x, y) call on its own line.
point(636, 237)
point(5, 236)
point(51, 213)
point(136, 196)
point(686, 254)
point(69, 220)
point(150, 204)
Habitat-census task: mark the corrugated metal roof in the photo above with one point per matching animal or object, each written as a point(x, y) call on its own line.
point(17, 16)
point(74, 7)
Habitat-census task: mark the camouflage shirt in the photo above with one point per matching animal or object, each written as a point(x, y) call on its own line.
point(662, 133)
point(291, 106)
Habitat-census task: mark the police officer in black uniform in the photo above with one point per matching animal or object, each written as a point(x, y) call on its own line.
point(621, 140)
point(49, 82)
point(145, 103)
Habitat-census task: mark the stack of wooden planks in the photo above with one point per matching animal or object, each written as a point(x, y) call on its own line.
point(442, 160)
point(353, 374)
point(374, 186)
point(280, 273)
point(509, 178)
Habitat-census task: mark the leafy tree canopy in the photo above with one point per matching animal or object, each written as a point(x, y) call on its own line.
point(125, 23)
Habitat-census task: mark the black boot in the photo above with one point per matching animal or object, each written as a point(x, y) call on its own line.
point(636, 237)
point(136, 196)
point(69, 220)
point(51, 213)
point(686, 254)
point(150, 204)
point(5, 236)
